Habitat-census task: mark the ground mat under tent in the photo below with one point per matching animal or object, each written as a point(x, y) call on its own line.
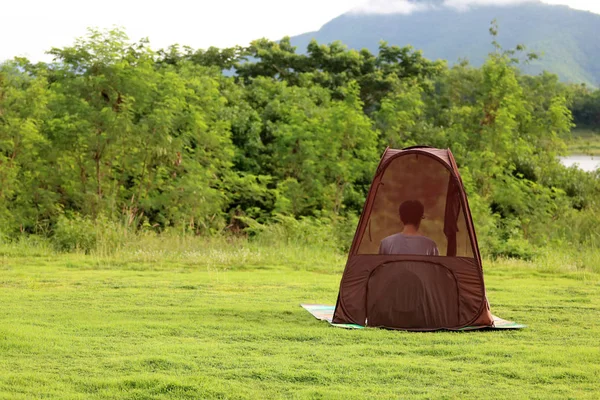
point(325, 313)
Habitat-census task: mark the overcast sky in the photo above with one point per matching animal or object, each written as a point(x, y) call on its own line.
point(29, 28)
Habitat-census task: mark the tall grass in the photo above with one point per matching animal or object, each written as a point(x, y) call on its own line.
point(304, 245)
point(553, 260)
point(224, 252)
point(307, 245)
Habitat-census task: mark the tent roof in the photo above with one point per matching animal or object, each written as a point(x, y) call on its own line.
point(441, 154)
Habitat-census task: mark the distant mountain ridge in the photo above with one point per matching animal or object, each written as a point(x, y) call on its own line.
point(568, 40)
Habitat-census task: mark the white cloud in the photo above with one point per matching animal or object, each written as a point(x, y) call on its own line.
point(464, 4)
point(408, 7)
point(390, 7)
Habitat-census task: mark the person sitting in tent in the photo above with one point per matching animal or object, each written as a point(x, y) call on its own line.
point(409, 241)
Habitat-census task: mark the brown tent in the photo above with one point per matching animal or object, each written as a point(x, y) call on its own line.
point(440, 289)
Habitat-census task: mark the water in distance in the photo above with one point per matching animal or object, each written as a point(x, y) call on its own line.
point(586, 163)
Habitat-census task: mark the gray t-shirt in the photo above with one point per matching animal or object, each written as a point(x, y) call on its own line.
point(408, 244)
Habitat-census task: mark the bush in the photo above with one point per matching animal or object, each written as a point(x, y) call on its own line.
point(331, 233)
point(514, 247)
point(83, 234)
point(502, 238)
point(74, 234)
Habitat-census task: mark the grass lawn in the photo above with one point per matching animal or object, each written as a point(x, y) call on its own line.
point(229, 325)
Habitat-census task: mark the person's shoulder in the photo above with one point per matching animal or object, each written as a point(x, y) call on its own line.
point(392, 238)
point(390, 241)
point(428, 240)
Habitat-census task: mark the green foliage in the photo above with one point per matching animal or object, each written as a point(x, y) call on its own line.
point(26, 201)
point(586, 107)
point(113, 138)
point(136, 140)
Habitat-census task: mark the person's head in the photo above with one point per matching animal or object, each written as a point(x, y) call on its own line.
point(411, 212)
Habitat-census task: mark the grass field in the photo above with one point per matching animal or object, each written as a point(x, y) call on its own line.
point(224, 321)
point(585, 141)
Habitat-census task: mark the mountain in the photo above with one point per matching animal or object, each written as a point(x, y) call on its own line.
point(567, 39)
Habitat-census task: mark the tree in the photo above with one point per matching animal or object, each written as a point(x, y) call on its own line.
point(136, 139)
point(26, 198)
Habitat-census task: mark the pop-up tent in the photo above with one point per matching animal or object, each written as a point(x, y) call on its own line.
point(444, 290)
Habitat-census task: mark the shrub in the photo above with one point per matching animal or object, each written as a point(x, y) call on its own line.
point(83, 234)
point(331, 233)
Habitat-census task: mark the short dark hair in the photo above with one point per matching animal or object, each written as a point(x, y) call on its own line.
point(411, 212)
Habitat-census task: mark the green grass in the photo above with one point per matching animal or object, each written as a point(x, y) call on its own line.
point(224, 321)
point(585, 141)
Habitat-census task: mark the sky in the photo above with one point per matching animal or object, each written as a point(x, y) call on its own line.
point(30, 28)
